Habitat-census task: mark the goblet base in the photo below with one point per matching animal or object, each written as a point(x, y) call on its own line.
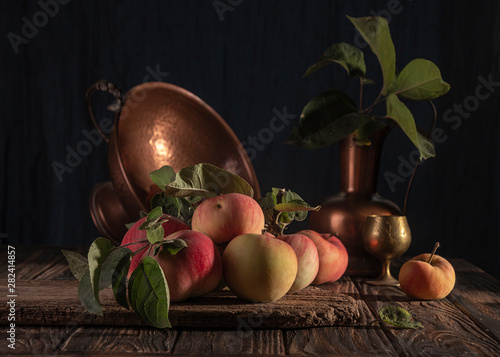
point(383, 281)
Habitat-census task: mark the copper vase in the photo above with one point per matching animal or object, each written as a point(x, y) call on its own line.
point(345, 213)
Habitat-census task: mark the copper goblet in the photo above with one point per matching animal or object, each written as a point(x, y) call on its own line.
point(386, 238)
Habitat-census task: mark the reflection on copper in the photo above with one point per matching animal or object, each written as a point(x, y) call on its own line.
point(162, 124)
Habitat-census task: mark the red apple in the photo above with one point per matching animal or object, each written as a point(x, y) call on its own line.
point(333, 257)
point(195, 270)
point(259, 268)
point(307, 257)
point(427, 277)
point(228, 215)
point(134, 234)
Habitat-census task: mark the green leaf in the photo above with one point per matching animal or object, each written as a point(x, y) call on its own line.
point(398, 317)
point(155, 234)
point(295, 205)
point(87, 296)
point(130, 225)
point(172, 246)
point(163, 176)
point(346, 55)
point(398, 112)
point(178, 207)
point(153, 225)
point(148, 293)
point(267, 204)
point(119, 281)
point(375, 31)
point(78, 264)
point(109, 266)
point(332, 132)
point(421, 80)
point(98, 252)
point(289, 201)
point(207, 180)
point(152, 219)
point(364, 132)
point(325, 120)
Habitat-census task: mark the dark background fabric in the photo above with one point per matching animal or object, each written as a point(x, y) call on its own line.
point(245, 59)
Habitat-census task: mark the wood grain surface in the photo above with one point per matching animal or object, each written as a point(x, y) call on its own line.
point(57, 303)
point(466, 323)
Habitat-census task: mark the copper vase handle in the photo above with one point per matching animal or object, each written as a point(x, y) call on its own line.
point(108, 87)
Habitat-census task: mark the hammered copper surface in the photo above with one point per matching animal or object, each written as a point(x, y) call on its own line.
point(344, 214)
point(163, 124)
point(107, 212)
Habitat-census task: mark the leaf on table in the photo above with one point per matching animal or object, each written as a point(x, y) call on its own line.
point(78, 264)
point(375, 31)
point(420, 80)
point(346, 55)
point(399, 317)
point(207, 180)
point(148, 293)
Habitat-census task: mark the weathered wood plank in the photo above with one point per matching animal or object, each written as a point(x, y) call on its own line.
point(242, 341)
point(39, 340)
point(57, 303)
point(115, 340)
point(37, 263)
point(363, 339)
point(447, 331)
point(477, 295)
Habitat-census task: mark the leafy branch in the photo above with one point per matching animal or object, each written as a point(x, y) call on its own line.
point(106, 265)
point(333, 115)
point(282, 207)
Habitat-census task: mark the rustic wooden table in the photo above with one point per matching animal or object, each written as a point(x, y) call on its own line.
point(466, 323)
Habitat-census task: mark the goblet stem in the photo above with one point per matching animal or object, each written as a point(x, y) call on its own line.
point(385, 278)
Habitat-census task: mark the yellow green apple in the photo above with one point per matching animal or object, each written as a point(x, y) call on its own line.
point(259, 268)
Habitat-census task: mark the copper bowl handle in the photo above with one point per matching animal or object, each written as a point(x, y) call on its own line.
point(103, 86)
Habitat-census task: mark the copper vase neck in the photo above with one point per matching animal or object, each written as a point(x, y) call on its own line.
point(359, 164)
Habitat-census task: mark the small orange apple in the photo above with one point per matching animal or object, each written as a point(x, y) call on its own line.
point(427, 277)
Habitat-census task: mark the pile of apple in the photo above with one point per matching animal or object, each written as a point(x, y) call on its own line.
point(256, 265)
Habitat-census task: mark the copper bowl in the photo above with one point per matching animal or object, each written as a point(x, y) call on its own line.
point(158, 124)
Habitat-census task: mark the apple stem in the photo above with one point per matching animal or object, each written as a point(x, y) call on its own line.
point(436, 246)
